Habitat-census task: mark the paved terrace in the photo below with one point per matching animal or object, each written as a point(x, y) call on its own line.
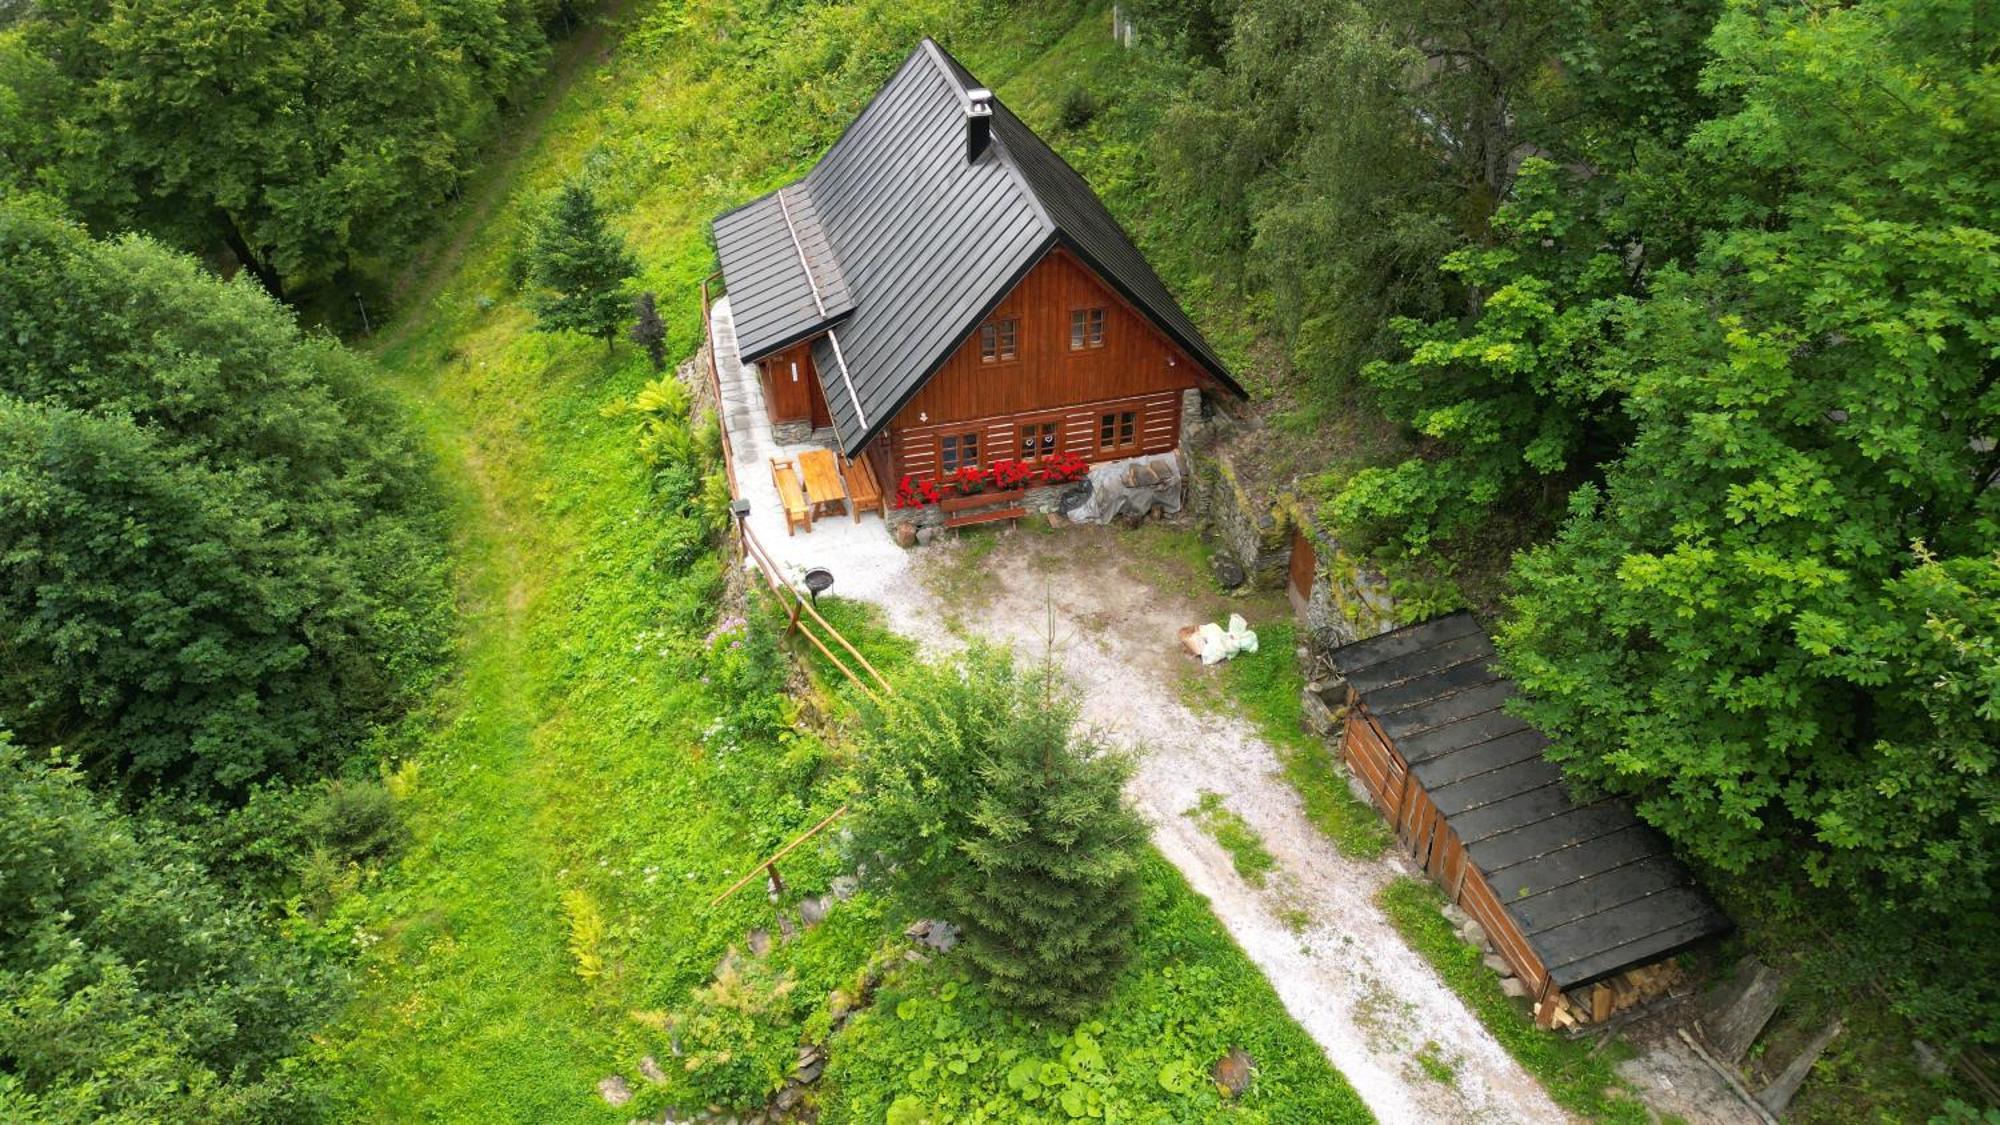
point(865, 561)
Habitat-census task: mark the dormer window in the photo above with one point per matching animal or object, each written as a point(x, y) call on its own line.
point(999, 340)
point(1086, 329)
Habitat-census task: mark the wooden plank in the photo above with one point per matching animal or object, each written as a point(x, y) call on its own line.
point(821, 471)
point(1494, 786)
point(1447, 650)
point(1135, 359)
point(1542, 837)
point(1452, 737)
point(1474, 671)
point(1580, 861)
point(1544, 802)
point(1354, 660)
point(1447, 709)
point(1598, 893)
point(1479, 757)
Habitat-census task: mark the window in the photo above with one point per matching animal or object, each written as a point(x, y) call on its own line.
point(999, 340)
point(957, 451)
point(1086, 329)
point(1039, 440)
point(1117, 430)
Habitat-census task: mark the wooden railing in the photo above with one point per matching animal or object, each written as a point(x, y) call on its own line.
point(797, 603)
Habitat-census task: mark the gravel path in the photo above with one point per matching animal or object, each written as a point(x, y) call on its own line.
point(1109, 612)
point(1346, 974)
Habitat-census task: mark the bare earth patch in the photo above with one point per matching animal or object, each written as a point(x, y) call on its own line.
point(1107, 606)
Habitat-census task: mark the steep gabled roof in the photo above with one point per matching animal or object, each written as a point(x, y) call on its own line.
point(1591, 888)
point(898, 245)
point(785, 283)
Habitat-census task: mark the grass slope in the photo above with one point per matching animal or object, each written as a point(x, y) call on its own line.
point(585, 788)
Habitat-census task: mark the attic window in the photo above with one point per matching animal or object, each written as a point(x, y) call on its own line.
point(999, 340)
point(1086, 329)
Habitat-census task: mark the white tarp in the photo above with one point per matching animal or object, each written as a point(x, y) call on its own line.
point(1137, 484)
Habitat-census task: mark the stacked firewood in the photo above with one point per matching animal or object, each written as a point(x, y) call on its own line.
point(1595, 1003)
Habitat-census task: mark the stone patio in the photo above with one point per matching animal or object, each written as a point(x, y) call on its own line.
point(864, 560)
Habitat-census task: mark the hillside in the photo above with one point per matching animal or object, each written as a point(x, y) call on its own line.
point(576, 807)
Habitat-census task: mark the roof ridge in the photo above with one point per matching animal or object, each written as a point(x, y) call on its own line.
point(1003, 154)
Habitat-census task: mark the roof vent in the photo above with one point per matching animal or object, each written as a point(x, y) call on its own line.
point(978, 122)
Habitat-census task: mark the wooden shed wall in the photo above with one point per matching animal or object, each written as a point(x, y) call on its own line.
point(1427, 837)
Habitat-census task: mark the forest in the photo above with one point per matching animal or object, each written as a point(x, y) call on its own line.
point(371, 740)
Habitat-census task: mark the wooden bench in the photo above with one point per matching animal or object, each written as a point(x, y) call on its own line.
point(798, 513)
point(985, 515)
point(862, 488)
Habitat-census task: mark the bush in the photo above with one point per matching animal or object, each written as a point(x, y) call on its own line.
point(1079, 106)
point(132, 986)
point(219, 554)
point(357, 822)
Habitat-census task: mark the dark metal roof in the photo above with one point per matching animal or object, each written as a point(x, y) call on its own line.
point(1592, 888)
point(920, 244)
point(784, 282)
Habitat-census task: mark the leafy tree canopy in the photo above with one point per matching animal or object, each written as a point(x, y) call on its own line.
point(217, 554)
point(296, 135)
point(1775, 621)
point(131, 987)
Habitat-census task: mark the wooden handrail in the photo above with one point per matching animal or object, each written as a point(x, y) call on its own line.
point(749, 539)
point(780, 854)
point(801, 602)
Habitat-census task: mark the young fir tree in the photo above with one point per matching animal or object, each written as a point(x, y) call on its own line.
point(983, 804)
point(579, 267)
point(648, 331)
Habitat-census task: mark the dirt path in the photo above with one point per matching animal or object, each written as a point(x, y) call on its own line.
point(425, 274)
point(1343, 972)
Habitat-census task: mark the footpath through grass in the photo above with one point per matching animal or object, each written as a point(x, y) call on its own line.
point(610, 755)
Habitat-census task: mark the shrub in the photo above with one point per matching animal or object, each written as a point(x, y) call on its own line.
point(357, 821)
point(1079, 106)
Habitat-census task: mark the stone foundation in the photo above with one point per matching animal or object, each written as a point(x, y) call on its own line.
point(1247, 532)
point(791, 433)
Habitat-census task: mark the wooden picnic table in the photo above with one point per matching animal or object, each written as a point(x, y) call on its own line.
point(822, 480)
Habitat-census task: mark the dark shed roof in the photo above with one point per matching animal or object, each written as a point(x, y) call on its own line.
point(1592, 888)
point(899, 245)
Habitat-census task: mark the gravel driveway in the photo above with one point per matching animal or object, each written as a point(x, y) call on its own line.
point(1107, 605)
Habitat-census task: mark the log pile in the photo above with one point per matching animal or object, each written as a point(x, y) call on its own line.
point(1595, 1003)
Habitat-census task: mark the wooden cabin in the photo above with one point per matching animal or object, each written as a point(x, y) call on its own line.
point(941, 290)
point(1572, 893)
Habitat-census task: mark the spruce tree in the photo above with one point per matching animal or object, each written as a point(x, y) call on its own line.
point(982, 803)
point(648, 331)
point(579, 267)
point(1053, 903)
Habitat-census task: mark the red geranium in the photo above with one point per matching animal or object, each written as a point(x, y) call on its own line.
point(1008, 475)
point(1063, 468)
point(914, 493)
point(970, 480)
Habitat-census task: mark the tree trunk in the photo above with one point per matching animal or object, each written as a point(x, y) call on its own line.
point(265, 275)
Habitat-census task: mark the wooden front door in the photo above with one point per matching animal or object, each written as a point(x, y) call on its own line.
point(1299, 583)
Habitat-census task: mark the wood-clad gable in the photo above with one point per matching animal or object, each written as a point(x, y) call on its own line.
point(1135, 358)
